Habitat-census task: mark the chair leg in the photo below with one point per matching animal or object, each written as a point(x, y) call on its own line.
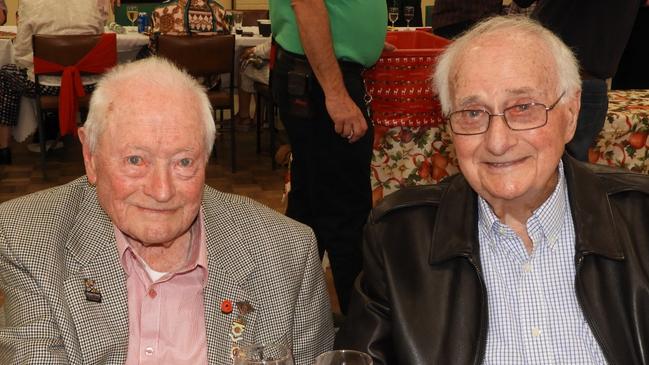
point(41, 142)
point(233, 146)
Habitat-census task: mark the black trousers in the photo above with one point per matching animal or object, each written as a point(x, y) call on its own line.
point(330, 177)
point(592, 115)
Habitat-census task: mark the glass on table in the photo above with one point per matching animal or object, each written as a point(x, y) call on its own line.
point(393, 14)
point(237, 19)
point(132, 13)
point(343, 357)
point(408, 14)
point(263, 354)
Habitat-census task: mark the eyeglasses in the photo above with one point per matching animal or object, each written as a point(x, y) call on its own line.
point(521, 117)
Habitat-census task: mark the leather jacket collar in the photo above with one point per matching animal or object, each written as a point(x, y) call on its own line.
point(595, 229)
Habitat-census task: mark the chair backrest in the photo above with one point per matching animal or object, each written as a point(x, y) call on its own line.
point(250, 16)
point(199, 55)
point(66, 49)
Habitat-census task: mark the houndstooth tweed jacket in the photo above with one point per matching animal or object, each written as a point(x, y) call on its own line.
point(51, 240)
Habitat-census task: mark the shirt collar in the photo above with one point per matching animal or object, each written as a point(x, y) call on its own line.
point(197, 256)
point(549, 215)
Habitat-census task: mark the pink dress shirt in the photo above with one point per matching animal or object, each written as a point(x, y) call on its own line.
point(166, 317)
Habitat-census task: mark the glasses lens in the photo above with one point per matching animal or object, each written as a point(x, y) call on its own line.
point(526, 116)
point(469, 121)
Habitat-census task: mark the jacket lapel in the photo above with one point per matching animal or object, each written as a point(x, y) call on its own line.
point(595, 228)
point(229, 265)
point(91, 253)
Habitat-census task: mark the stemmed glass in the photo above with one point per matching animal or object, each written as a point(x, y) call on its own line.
point(264, 354)
point(393, 14)
point(408, 14)
point(132, 13)
point(343, 357)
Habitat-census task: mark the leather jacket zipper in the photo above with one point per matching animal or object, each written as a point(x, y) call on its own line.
point(485, 316)
point(598, 338)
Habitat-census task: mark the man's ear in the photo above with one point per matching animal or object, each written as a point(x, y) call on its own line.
point(573, 104)
point(88, 157)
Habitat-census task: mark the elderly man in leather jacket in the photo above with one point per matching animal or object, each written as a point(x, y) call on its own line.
point(528, 256)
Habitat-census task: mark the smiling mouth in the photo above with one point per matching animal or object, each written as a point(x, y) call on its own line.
point(505, 164)
point(158, 210)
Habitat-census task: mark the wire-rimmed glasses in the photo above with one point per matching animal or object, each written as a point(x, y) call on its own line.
point(519, 117)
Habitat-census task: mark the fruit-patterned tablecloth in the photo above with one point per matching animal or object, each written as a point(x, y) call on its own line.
point(406, 156)
point(623, 139)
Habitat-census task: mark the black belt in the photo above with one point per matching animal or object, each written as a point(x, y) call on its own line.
point(294, 60)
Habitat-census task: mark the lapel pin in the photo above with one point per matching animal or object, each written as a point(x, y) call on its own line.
point(244, 308)
point(226, 306)
point(92, 293)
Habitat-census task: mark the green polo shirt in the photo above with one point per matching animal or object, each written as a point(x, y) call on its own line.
point(358, 28)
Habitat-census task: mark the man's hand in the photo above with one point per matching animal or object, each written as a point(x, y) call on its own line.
point(348, 120)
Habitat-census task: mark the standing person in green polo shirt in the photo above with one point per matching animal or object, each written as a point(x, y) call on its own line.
point(323, 47)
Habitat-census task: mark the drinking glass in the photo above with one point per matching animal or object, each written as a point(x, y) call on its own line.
point(132, 14)
point(264, 354)
point(237, 19)
point(343, 357)
point(408, 14)
point(393, 14)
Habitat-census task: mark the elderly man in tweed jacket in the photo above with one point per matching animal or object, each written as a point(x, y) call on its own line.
point(139, 262)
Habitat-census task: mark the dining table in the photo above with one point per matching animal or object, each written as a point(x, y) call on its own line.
point(129, 44)
point(405, 156)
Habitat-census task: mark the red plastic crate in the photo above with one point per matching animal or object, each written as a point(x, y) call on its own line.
point(399, 83)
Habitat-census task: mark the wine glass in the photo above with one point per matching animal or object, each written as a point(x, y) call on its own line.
point(393, 14)
point(263, 354)
point(408, 14)
point(343, 357)
point(237, 19)
point(132, 14)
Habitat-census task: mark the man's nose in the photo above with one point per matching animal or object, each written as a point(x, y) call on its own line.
point(160, 183)
point(499, 137)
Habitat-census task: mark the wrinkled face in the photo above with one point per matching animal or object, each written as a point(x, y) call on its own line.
point(149, 166)
point(502, 165)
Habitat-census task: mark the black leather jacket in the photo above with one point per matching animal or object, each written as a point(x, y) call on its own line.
point(421, 298)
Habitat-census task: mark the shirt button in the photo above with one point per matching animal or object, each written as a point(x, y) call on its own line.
point(501, 230)
point(152, 293)
point(536, 332)
point(148, 351)
point(527, 267)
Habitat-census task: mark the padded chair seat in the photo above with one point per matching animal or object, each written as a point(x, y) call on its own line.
point(219, 98)
point(51, 102)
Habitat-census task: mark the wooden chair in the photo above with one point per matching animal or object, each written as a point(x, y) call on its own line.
point(266, 110)
point(206, 56)
point(54, 53)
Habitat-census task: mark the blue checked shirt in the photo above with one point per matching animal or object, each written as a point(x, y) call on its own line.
point(534, 316)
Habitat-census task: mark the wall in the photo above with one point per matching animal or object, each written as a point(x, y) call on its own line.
point(12, 6)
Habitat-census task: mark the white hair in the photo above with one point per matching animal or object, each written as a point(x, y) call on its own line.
point(567, 66)
point(155, 73)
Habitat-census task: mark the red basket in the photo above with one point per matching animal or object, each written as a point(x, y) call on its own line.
point(399, 83)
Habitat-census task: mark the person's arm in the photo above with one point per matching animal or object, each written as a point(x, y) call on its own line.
point(313, 331)
point(30, 335)
point(315, 34)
